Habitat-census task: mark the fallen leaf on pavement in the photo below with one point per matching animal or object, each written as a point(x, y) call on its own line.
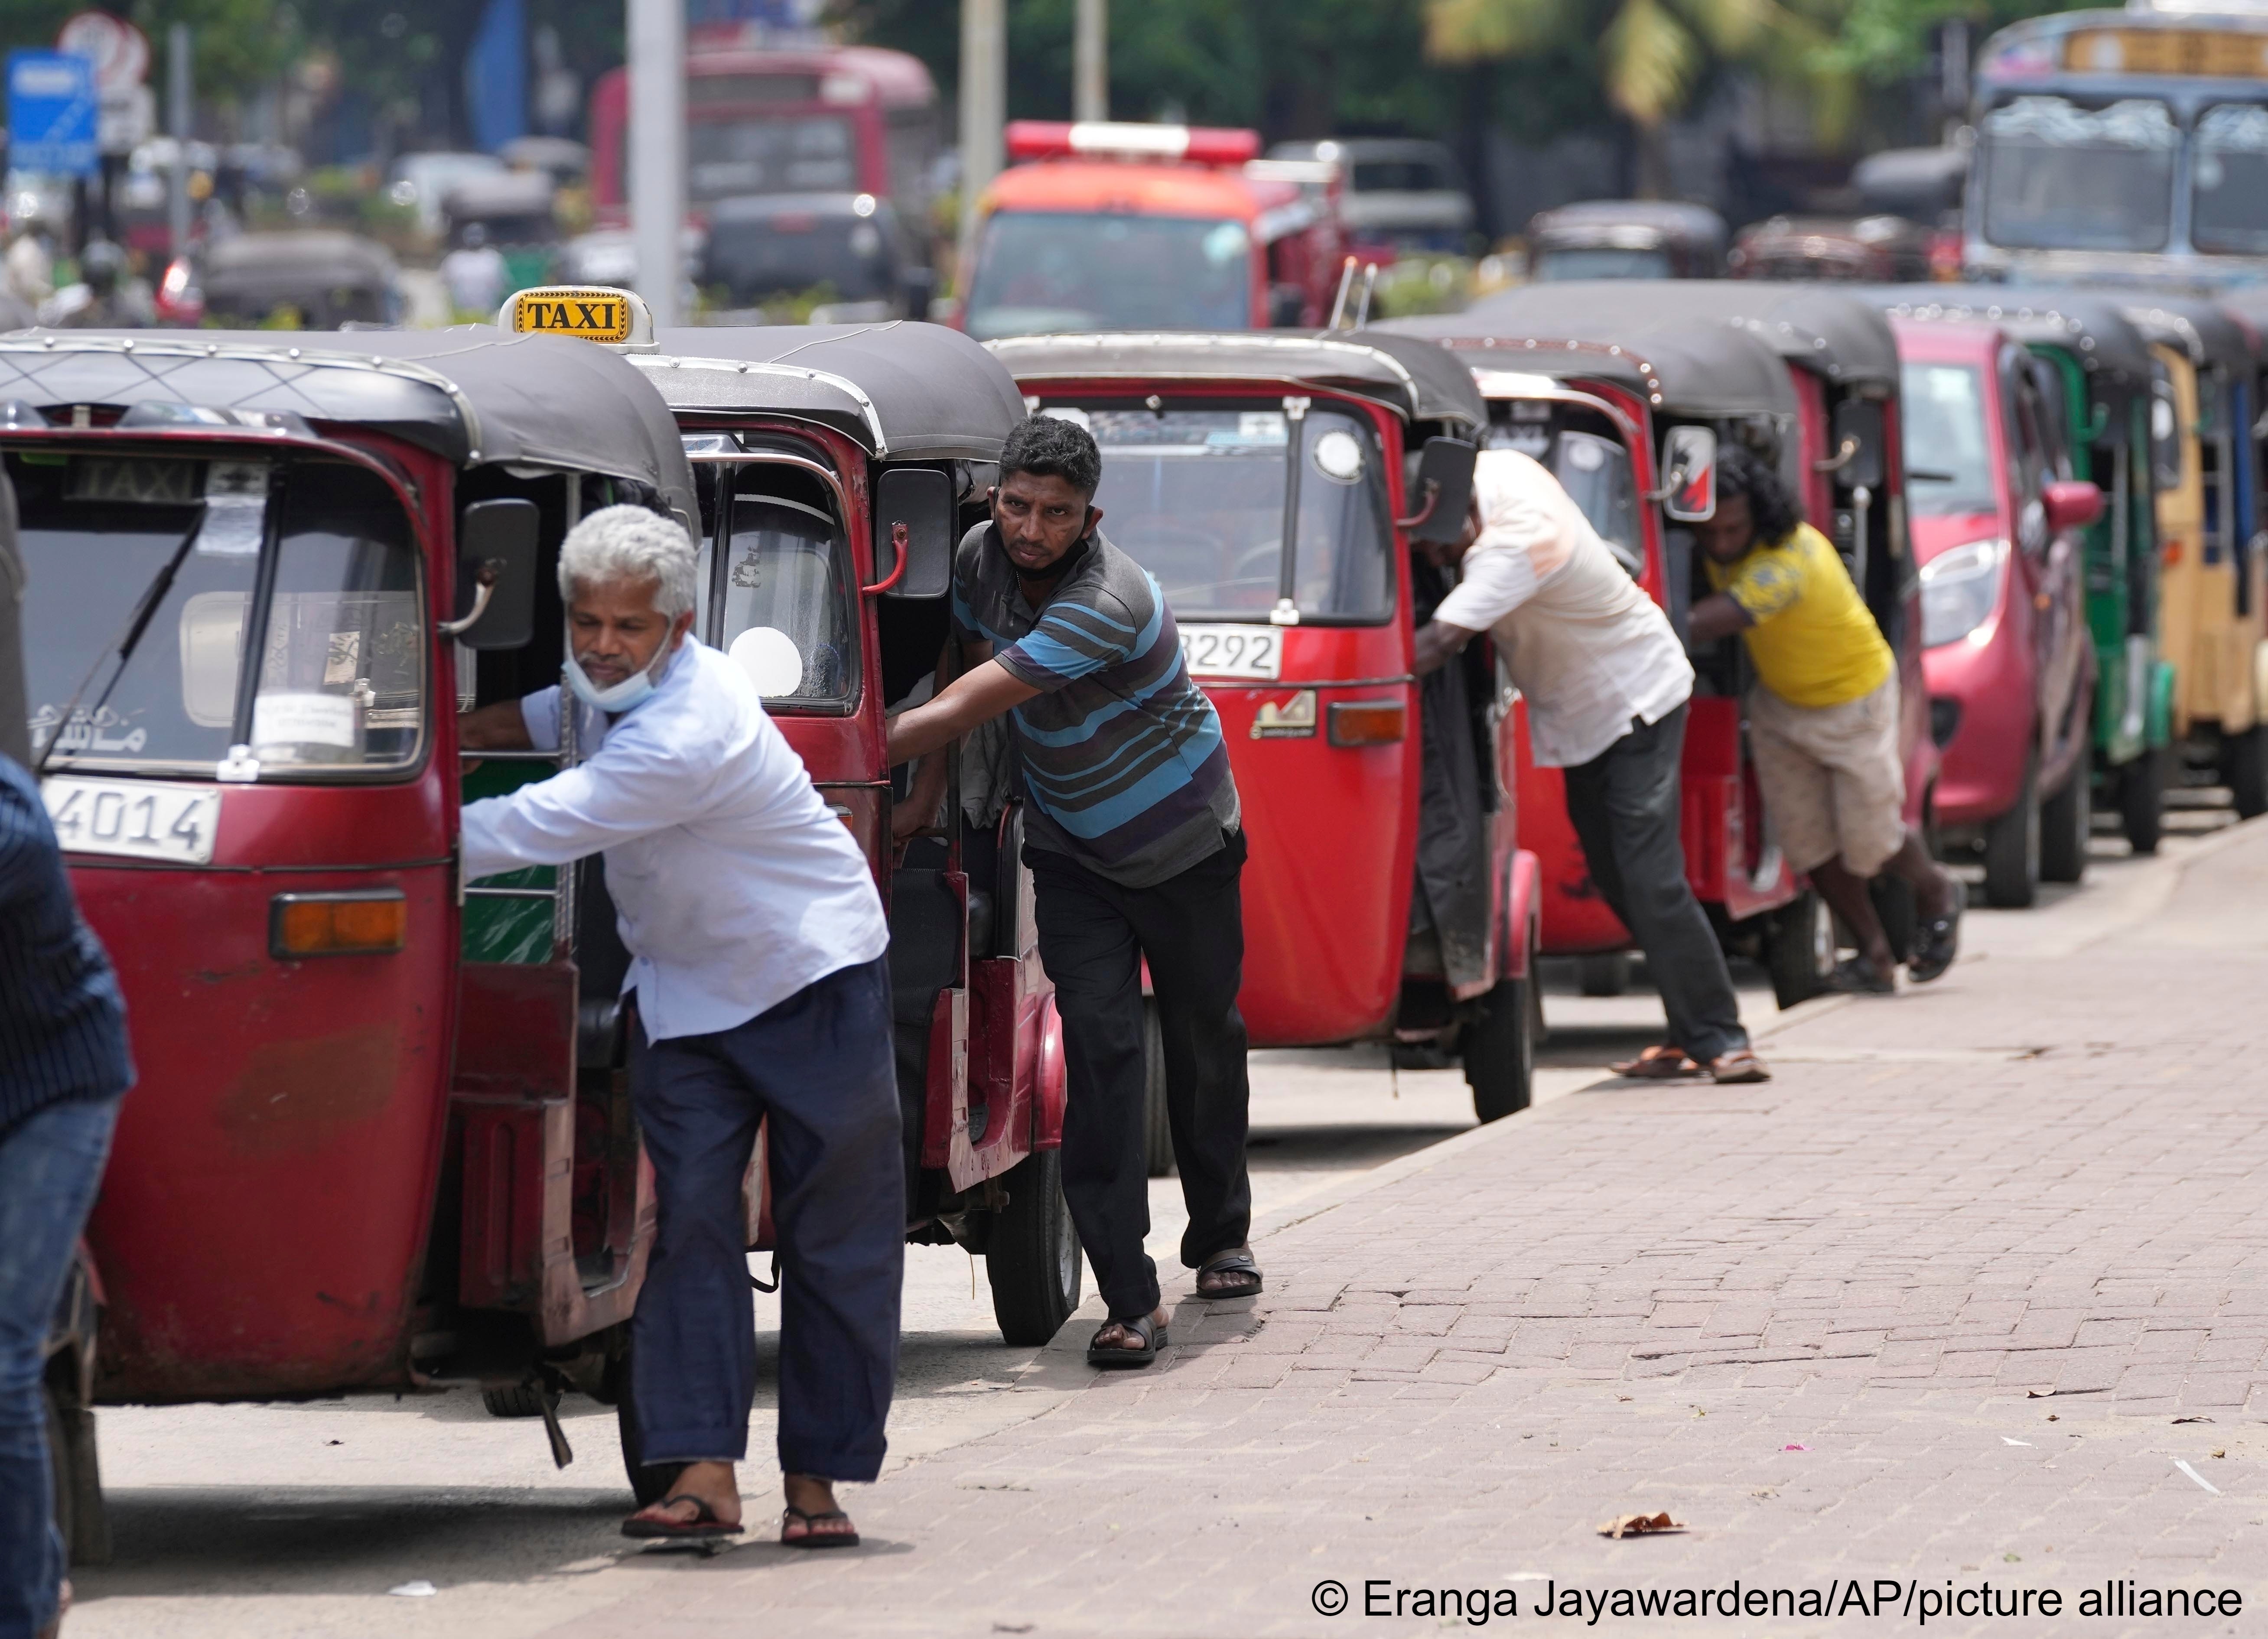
point(2220, 1453)
point(2192, 1419)
point(1638, 1526)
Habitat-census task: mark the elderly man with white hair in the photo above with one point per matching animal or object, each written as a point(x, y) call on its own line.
point(757, 937)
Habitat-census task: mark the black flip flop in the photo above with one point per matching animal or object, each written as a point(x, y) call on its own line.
point(703, 1525)
point(1237, 1262)
point(1112, 1359)
point(1939, 942)
point(814, 1538)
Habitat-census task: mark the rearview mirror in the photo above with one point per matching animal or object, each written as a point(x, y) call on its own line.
point(920, 499)
point(2071, 504)
point(496, 574)
point(1443, 492)
point(1858, 460)
point(1688, 475)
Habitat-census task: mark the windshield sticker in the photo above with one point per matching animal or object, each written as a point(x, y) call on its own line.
point(342, 661)
point(90, 733)
point(236, 509)
point(1258, 427)
point(1337, 456)
point(283, 723)
point(133, 481)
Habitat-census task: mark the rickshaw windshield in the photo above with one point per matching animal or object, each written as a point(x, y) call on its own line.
point(1197, 497)
point(1604, 262)
point(788, 602)
point(342, 678)
point(1045, 270)
point(1949, 457)
point(2061, 177)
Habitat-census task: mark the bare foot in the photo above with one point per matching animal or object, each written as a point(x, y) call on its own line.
point(63, 1609)
point(813, 1519)
point(712, 1482)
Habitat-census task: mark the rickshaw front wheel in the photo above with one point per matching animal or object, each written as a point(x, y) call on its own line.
point(1498, 1048)
point(1031, 1258)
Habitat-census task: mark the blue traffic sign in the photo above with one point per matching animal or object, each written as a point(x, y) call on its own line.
point(51, 113)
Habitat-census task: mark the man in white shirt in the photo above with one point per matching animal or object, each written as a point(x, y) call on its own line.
point(1606, 683)
point(757, 940)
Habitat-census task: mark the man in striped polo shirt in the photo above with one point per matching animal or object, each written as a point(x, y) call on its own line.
point(1133, 839)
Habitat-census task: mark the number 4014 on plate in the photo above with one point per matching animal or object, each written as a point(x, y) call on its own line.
point(136, 818)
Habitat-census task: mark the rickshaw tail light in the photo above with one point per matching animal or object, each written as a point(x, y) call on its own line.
point(338, 924)
point(1369, 723)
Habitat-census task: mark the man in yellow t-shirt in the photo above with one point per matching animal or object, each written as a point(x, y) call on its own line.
point(1822, 718)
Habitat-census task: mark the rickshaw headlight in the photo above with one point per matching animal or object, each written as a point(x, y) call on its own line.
point(368, 922)
point(1368, 722)
point(1960, 589)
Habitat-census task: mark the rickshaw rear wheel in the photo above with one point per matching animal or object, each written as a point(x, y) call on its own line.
point(1800, 948)
point(2142, 799)
point(1499, 1049)
point(1032, 1260)
point(649, 1483)
point(1157, 1122)
point(81, 1519)
point(2066, 824)
point(1607, 972)
point(2244, 765)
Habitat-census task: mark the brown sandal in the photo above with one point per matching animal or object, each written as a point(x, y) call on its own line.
point(1663, 1064)
point(1738, 1066)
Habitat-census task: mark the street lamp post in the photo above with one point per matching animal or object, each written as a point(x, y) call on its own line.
point(1090, 62)
point(984, 110)
point(656, 74)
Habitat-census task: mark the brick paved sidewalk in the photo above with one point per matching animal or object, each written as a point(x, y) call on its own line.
point(1992, 1254)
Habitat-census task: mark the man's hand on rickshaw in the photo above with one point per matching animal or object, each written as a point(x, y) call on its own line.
point(498, 727)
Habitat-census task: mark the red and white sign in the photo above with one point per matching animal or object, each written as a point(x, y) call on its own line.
point(119, 51)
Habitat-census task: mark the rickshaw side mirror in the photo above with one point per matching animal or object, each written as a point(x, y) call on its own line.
point(2071, 503)
point(1443, 492)
point(1688, 475)
point(496, 574)
point(1857, 461)
point(920, 499)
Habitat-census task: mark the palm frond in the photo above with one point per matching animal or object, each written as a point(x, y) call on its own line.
point(1471, 31)
point(1651, 59)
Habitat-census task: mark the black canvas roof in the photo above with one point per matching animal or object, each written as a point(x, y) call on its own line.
point(1414, 378)
point(905, 391)
point(2209, 333)
point(1710, 372)
point(2088, 322)
point(473, 395)
point(1588, 221)
point(1831, 332)
point(15, 728)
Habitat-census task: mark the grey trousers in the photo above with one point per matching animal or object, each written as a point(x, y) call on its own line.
point(1625, 804)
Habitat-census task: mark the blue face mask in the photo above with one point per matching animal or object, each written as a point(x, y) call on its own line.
point(621, 697)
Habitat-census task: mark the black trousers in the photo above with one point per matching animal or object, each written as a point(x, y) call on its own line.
point(1624, 803)
point(1093, 934)
point(818, 1065)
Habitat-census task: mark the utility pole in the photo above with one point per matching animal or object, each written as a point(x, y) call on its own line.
point(1090, 62)
point(177, 120)
point(657, 72)
point(984, 112)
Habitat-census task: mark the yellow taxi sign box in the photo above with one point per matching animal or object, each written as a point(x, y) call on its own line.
point(589, 313)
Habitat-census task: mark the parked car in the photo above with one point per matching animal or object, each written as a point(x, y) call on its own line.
point(1626, 238)
point(1401, 192)
point(831, 258)
point(425, 180)
point(315, 280)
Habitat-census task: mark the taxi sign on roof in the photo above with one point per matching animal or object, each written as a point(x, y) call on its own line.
point(589, 313)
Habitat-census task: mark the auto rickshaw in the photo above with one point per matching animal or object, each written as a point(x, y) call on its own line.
point(517, 212)
point(1386, 898)
point(2102, 371)
point(1837, 441)
point(2213, 584)
point(1626, 238)
point(360, 1158)
point(838, 466)
point(1845, 250)
point(315, 280)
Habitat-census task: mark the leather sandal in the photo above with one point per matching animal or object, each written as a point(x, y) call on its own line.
point(1111, 1358)
point(1940, 940)
point(1236, 1262)
point(704, 1524)
point(1740, 1065)
point(1662, 1064)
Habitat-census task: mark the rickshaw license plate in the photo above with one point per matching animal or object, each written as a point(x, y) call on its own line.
point(138, 819)
point(1233, 651)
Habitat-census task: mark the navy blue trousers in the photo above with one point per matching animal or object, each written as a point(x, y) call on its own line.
point(819, 1067)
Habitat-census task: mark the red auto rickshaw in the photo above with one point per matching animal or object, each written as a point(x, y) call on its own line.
point(357, 1158)
point(1386, 898)
point(1699, 354)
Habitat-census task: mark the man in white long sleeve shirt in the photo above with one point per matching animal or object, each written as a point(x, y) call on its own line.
point(1606, 683)
point(757, 940)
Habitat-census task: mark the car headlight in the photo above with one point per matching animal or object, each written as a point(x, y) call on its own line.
point(1960, 589)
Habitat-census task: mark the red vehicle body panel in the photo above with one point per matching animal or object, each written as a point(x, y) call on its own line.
point(2028, 663)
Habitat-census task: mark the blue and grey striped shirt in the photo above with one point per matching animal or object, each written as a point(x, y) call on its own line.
point(63, 1025)
point(1123, 764)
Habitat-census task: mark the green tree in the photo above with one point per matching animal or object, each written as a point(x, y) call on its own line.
point(241, 45)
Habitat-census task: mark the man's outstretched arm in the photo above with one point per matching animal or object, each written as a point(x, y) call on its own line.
point(1437, 643)
point(976, 696)
point(1716, 616)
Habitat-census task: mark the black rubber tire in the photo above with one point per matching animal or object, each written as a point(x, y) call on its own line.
point(1800, 948)
point(1605, 973)
point(2012, 849)
point(526, 1401)
point(1032, 1259)
point(1157, 1125)
point(648, 1482)
point(2142, 799)
point(2066, 825)
point(2244, 765)
point(1498, 1047)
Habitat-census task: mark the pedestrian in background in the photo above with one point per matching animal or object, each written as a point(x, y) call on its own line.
point(757, 937)
point(1136, 846)
point(63, 1067)
point(1606, 683)
point(1822, 717)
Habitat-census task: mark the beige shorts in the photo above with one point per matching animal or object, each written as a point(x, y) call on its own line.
point(1832, 777)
